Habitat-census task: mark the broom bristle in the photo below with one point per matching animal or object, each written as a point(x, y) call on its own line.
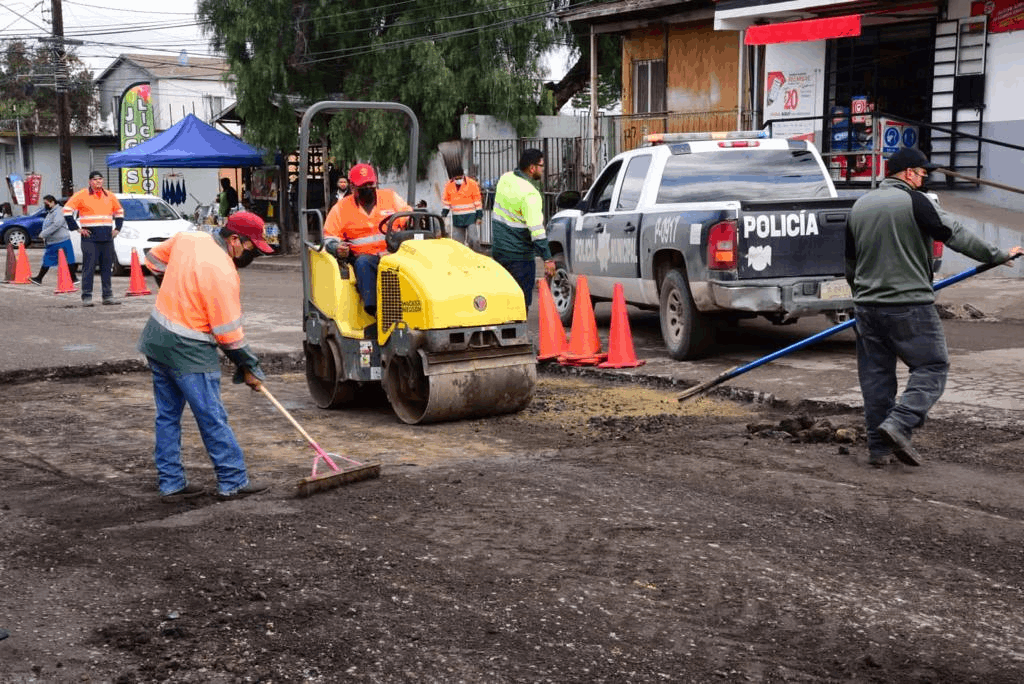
point(319, 483)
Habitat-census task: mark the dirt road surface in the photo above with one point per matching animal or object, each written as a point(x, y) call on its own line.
point(605, 534)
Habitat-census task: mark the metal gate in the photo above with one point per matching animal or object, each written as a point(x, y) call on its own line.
point(567, 166)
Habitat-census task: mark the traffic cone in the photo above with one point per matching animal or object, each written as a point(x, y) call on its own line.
point(137, 284)
point(22, 269)
point(584, 344)
point(64, 282)
point(9, 273)
point(620, 340)
point(552, 333)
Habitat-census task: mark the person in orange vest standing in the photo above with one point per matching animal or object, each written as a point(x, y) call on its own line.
point(353, 229)
point(97, 215)
point(462, 198)
point(198, 310)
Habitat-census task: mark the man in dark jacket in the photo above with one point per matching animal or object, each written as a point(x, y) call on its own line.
point(888, 265)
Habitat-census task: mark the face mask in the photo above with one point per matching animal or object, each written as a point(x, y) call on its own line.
point(246, 258)
point(367, 195)
point(458, 182)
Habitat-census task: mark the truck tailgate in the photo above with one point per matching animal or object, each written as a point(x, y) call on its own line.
point(785, 239)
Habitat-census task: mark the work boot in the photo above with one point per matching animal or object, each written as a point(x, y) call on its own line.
point(879, 460)
point(901, 445)
point(189, 491)
point(251, 488)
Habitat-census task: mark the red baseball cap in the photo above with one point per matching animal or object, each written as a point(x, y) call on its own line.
point(361, 174)
point(249, 226)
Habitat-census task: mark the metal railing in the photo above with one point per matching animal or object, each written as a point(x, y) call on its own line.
point(871, 168)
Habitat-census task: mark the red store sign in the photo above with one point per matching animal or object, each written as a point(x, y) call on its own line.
point(1003, 15)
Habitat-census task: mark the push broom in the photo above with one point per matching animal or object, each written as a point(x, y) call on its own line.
point(337, 477)
point(740, 370)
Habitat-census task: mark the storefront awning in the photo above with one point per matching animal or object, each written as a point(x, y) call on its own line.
point(736, 15)
point(800, 31)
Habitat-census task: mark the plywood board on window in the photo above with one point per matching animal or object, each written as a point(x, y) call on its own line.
point(702, 65)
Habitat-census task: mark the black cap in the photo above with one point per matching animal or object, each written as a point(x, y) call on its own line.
point(95, 174)
point(909, 158)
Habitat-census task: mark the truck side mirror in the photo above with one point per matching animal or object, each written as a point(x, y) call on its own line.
point(568, 199)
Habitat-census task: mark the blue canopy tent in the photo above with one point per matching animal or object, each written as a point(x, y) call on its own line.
point(189, 144)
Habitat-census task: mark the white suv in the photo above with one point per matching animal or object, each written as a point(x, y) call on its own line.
point(148, 221)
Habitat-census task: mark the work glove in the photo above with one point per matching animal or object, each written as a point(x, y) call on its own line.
point(336, 248)
point(244, 359)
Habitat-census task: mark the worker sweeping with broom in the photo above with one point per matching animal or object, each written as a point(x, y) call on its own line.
point(888, 265)
point(198, 310)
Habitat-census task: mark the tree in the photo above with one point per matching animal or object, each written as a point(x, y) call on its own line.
point(575, 84)
point(28, 78)
point(441, 58)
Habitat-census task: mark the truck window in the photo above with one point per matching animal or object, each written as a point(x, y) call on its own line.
point(600, 196)
point(633, 182)
point(742, 174)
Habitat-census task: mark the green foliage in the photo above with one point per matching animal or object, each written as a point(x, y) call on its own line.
point(609, 77)
point(440, 58)
point(28, 92)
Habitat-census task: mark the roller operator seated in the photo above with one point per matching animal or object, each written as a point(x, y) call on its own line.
point(353, 231)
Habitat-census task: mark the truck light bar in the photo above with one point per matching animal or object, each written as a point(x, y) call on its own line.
point(659, 138)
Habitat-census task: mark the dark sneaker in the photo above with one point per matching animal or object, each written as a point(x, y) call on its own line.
point(111, 302)
point(189, 491)
point(35, 280)
point(901, 445)
point(87, 301)
point(252, 488)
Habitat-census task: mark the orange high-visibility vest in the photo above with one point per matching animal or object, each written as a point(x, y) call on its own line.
point(464, 201)
point(94, 209)
point(361, 231)
point(199, 298)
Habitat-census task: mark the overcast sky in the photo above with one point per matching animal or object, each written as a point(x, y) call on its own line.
point(110, 27)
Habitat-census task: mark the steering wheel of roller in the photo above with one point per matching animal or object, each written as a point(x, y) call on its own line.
point(394, 235)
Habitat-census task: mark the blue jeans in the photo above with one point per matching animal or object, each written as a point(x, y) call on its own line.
point(366, 279)
point(525, 273)
point(93, 252)
point(171, 389)
point(912, 334)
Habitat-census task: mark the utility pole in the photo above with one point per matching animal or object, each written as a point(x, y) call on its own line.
point(63, 108)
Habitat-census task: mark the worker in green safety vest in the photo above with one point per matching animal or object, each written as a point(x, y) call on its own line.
point(517, 223)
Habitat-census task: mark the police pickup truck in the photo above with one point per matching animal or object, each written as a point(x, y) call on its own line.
point(707, 228)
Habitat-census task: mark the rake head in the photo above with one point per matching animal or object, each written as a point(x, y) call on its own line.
point(336, 478)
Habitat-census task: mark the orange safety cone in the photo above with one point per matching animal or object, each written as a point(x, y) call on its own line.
point(64, 282)
point(584, 344)
point(9, 273)
point(22, 269)
point(620, 340)
point(552, 333)
point(137, 284)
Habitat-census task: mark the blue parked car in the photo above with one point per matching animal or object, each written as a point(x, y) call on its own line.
point(22, 230)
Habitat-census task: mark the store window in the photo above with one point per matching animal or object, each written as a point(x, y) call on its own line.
point(649, 86)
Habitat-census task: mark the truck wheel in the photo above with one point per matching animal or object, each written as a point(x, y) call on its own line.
point(562, 290)
point(687, 332)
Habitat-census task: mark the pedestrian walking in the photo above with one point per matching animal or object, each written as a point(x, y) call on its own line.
point(888, 266)
point(227, 198)
point(57, 238)
point(198, 310)
point(97, 215)
point(517, 223)
point(462, 198)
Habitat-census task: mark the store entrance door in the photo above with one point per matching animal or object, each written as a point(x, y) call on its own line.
point(886, 69)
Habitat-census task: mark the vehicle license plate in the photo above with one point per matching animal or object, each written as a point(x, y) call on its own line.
point(836, 289)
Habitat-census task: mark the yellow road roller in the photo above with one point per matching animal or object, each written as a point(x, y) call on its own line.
point(449, 338)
